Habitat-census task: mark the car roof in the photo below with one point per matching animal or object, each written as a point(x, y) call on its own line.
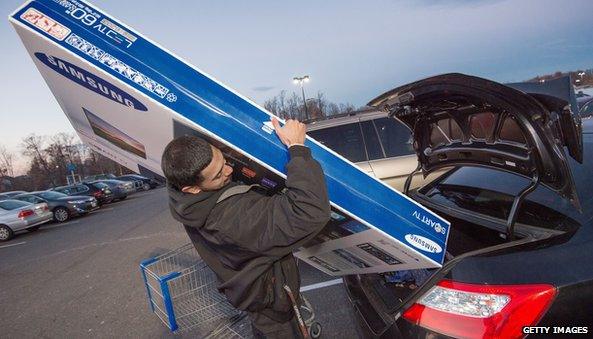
point(346, 118)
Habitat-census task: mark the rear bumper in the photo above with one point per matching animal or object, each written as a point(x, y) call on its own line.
point(31, 222)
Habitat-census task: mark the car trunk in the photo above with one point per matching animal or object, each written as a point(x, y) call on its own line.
point(518, 185)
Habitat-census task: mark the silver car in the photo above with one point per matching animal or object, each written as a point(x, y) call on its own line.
point(379, 145)
point(16, 215)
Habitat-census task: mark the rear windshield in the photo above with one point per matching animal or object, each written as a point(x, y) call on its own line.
point(12, 204)
point(491, 193)
point(99, 185)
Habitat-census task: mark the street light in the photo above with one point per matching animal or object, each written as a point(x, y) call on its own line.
point(301, 81)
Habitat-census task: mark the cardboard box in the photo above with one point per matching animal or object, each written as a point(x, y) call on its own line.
point(127, 98)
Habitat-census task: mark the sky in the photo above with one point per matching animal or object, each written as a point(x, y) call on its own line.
point(352, 50)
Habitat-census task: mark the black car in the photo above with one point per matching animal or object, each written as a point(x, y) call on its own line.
point(62, 206)
point(518, 196)
point(141, 183)
point(98, 190)
point(120, 189)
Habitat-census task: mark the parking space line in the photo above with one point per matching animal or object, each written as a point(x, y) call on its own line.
point(19, 243)
point(60, 225)
point(321, 285)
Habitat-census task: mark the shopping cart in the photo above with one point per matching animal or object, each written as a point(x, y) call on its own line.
point(182, 292)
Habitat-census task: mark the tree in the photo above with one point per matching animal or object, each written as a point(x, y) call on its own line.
point(33, 147)
point(6, 162)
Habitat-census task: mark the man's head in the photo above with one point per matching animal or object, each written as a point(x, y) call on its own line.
point(192, 165)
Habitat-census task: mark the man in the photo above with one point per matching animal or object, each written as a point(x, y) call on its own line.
point(246, 237)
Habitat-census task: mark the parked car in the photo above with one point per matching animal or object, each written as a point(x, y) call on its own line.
point(379, 145)
point(102, 176)
point(140, 182)
point(519, 201)
point(16, 215)
point(121, 189)
point(8, 195)
point(61, 205)
point(98, 190)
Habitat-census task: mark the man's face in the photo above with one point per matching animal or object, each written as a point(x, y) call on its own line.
point(217, 174)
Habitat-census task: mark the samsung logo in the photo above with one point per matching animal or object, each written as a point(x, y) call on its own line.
point(423, 243)
point(90, 81)
point(433, 224)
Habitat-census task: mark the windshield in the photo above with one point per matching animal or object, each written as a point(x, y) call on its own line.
point(490, 192)
point(52, 195)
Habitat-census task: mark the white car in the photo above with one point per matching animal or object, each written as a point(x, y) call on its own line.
point(16, 215)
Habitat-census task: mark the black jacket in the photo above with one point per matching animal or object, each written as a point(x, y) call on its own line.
point(248, 239)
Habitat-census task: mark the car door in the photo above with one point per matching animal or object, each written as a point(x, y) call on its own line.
point(346, 140)
point(391, 156)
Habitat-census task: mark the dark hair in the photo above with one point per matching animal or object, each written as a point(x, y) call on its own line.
point(184, 158)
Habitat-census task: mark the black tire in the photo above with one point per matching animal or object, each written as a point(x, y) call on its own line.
point(146, 186)
point(123, 198)
point(315, 330)
point(6, 233)
point(33, 229)
point(61, 214)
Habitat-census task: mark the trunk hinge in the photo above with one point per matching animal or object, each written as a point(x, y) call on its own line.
point(517, 204)
point(410, 177)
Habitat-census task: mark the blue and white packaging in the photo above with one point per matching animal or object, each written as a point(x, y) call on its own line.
point(127, 98)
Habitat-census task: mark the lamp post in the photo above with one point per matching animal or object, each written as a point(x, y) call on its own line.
point(301, 81)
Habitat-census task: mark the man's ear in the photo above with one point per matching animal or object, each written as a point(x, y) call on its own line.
point(191, 189)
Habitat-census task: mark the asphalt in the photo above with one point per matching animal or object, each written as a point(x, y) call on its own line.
point(82, 278)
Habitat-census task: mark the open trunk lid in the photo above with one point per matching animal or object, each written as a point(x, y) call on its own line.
point(460, 120)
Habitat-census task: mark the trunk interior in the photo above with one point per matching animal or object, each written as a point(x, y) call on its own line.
point(389, 291)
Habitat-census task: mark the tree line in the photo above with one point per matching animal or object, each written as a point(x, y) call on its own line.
point(317, 108)
point(49, 159)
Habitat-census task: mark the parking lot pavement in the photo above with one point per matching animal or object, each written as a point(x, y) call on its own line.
point(81, 278)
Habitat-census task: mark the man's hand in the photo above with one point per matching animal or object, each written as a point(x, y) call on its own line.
point(293, 132)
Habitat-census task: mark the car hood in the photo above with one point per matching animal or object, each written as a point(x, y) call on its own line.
point(461, 120)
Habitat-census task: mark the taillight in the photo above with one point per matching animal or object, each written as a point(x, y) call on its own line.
point(25, 213)
point(464, 310)
point(98, 193)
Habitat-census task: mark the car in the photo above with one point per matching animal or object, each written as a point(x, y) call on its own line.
point(585, 106)
point(62, 206)
point(121, 189)
point(8, 195)
point(100, 191)
point(101, 176)
point(379, 145)
point(518, 197)
point(16, 215)
point(141, 183)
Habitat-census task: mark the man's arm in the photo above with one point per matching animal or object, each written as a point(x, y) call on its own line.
point(279, 224)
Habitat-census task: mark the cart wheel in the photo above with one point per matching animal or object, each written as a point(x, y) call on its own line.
point(315, 330)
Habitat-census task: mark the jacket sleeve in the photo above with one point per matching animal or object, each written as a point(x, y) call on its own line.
point(279, 224)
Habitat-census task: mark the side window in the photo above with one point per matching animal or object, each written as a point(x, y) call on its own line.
point(395, 137)
point(345, 140)
point(587, 111)
point(81, 189)
point(371, 140)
